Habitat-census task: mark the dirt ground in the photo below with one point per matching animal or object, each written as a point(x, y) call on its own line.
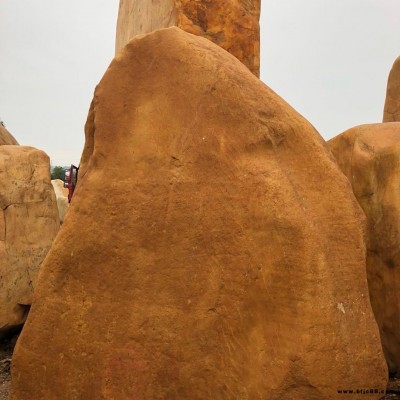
point(394, 384)
point(6, 350)
point(7, 347)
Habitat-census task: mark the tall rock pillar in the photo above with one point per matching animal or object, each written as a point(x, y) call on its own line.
point(392, 104)
point(232, 24)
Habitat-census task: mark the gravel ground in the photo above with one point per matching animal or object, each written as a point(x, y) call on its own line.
point(394, 384)
point(6, 350)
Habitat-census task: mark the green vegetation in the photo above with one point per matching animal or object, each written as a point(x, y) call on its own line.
point(58, 172)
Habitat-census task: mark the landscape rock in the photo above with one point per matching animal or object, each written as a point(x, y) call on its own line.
point(232, 24)
point(213, 250)
point(62, 198)
point(28, 225)
point(369, 155)
point(5, 137)
point(392, 103)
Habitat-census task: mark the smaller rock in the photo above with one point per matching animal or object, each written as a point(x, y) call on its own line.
point(369, 155)
point(28, 224)
point(5, 137)
point(62, 198)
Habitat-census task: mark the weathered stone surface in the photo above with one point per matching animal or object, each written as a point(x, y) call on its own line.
point(232, 24)
point(6, 137)
point(28, 225)
point(62, 198)
point(369, 155)
point(224, 261)
point(392, 103)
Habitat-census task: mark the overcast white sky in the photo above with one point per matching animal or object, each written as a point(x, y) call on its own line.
point(328, 58)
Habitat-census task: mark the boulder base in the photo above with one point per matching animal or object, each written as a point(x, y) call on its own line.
point(369, 155)
point(28, 225)
point(226, 259)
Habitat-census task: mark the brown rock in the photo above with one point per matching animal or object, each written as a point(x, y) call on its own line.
point(232, 24)
point(369, 155)
point(227, 262)
point(392, 103)
point(28, 224)
point(6, 137)
point(62, 198)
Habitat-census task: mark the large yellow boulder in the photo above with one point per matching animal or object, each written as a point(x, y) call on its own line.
point(213, 249)
point(369, 155)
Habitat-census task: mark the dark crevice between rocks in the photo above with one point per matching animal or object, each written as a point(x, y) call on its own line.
point(7, 345)
point(393, 386)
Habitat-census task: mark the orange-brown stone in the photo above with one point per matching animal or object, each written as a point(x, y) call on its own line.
point(5, 137)
point(206, 254)
point(61, 193)
point(28, 225)
point(392, 103)
point(232, 24)
point(369, 155)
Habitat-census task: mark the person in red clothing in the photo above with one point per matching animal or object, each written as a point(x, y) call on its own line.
point(70, 180)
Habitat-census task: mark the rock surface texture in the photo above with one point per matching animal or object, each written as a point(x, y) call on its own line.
point(227, 263)
point(232, 24)
point(28, 225)
point(6, 137)
point(392, 104)
point(369, 155)
point(62, 198)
